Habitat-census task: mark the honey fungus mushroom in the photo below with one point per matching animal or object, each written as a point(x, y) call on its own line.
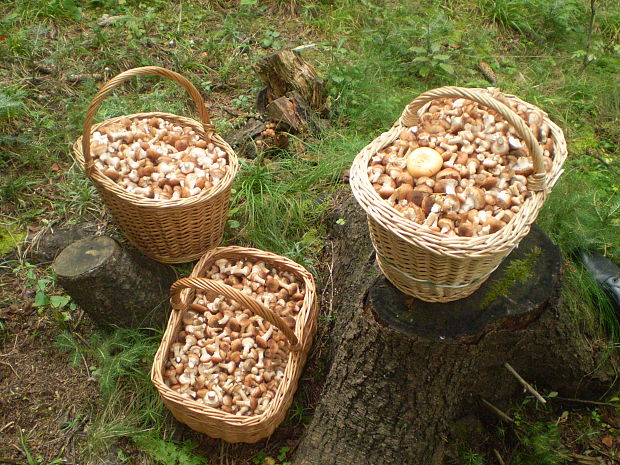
point(154, 158)
point(463, 170)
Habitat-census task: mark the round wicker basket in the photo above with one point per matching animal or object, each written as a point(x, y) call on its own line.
point(214, 422)
point(427, 264)
point(169, 231)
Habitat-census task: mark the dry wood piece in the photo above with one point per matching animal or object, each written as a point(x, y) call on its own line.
point(114, 285)
point(286, 71)
point(227, 357)
point(293, 111)
point(154, 158)
point(463, 171)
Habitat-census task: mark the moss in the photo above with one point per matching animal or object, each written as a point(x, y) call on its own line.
point(10, 238)
point(518, 271)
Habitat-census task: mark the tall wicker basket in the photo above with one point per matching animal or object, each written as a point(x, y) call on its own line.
point(169, 231)
point(427, 264)
point(214, 422)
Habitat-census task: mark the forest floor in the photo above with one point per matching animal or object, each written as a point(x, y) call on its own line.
point(70, 393)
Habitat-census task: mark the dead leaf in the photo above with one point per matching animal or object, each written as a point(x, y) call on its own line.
point(55, 167)
point(608, 441)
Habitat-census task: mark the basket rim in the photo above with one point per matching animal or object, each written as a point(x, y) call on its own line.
point(434, 242)
point(295, 358)
point(106, 183)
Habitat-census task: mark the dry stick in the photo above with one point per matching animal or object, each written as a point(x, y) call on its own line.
point(497, 411)
point(499, 457)
point(589, 402)
point(525, 384)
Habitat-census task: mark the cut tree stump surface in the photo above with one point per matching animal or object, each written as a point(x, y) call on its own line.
point(506, 299)
point(404, 371)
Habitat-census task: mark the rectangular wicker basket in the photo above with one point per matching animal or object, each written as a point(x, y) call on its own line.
point(430, 265)
point(169, 231)
point(214, 422)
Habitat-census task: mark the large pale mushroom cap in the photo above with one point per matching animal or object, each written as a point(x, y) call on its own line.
point(424, 161)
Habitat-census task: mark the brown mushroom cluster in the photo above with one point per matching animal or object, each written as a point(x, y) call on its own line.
point(463, 171)
point(156, 159)
point(225, 356)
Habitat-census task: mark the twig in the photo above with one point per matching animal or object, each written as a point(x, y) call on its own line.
point(497, 411)
point(585, 459)
point(10, 423)
point(589, 402)
point(590, 29)
point(11, 367)
point(525, 384)
point(499, 457)
point(180, 15)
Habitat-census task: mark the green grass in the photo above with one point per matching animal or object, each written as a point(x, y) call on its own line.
point(375, 56)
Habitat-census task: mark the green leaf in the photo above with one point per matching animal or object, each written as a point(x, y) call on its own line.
point(42, 284)
point(424, 71)
point(341, 221)
point(248, 2)
point(447, 68)
point(435, 47)
point(233, 224)
point(418, 50)
point(40, 299)
point(266, 43)
point(59, 301)
point(420, 59)
point(442, 57)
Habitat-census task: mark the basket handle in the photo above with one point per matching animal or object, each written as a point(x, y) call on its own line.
point(410, 118)
point(126, 75)
point(231, 292)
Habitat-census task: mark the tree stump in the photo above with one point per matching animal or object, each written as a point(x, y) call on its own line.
point(286, 71)
point(405, 370)
point(113, 285)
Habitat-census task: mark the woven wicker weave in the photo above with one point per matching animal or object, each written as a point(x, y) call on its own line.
point(430, 265)
point(214, 422)
point(170, 231)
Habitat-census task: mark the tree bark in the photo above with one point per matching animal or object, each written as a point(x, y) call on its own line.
point(115, 286)
point(404, 370)
point(286, 71)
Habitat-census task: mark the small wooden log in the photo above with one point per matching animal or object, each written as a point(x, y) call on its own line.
point(293, 111)
point(113, 285)
point(286, 71)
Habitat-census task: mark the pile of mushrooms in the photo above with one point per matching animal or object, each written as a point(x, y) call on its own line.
point(463, 171)
point(225, 356)
point(156, 159)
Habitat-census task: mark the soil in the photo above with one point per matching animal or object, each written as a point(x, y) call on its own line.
point(45, 404)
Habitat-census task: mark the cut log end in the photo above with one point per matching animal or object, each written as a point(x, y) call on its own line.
point(513, 296)
point(115, 285)
point(84, 255)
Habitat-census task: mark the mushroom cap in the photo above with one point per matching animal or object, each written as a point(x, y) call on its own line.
point(448, 173)
point(465, 229)
point(424, 161)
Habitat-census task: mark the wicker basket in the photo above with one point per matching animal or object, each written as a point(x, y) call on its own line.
point(170, 231)
point(427, 264)
point(214, 422)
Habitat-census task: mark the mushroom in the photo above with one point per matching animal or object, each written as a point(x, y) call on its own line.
point(424, 161)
